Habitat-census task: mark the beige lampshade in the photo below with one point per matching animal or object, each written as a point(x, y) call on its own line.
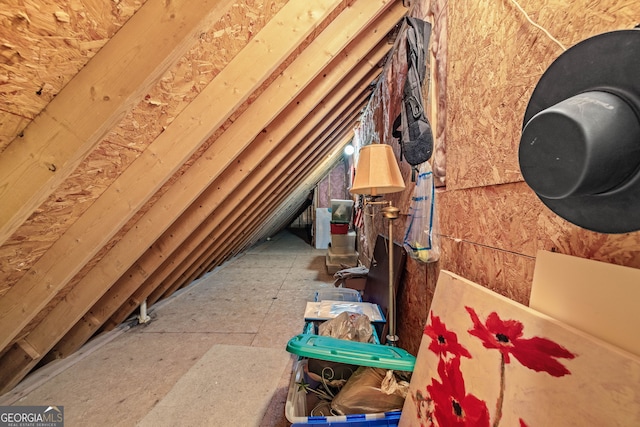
point(377, 171)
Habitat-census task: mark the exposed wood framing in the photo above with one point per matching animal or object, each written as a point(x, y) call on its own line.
point(62, 135)
point(225, 193)
point(91, 231)
point(228, 241)
point(163, 157)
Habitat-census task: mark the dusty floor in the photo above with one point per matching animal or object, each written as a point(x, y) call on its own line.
point(214, 354)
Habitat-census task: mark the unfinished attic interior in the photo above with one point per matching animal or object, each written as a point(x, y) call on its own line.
point(175, 158)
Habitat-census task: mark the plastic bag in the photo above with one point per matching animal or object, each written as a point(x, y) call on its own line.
point(348, 326)
point(364, 393)
point(421, 239)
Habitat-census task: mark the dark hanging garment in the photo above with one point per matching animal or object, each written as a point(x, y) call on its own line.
point(411, 127)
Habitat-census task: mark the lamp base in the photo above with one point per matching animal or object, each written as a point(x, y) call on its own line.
point(392, 340)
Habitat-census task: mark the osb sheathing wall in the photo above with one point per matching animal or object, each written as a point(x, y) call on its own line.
point(491, 223)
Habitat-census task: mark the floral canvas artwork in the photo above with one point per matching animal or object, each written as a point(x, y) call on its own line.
point(485, 360)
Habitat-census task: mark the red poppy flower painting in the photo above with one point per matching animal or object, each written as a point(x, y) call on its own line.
point(485, 360)
point(443, 341)
point(453, 406)
point(535, 353)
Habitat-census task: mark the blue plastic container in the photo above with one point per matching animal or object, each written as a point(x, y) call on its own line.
point(390, 419)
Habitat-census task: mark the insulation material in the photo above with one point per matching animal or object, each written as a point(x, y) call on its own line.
point(334, 186)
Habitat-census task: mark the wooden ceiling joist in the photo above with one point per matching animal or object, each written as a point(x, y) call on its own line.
point(73, 123)
point(46, 333)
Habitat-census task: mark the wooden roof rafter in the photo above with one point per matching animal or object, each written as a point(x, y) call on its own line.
point(228, 190)
point(34, 344)
point(62, 135)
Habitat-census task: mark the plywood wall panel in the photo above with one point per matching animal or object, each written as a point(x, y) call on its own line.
point(496, 56)
point(557, 235)
point(495, 59)
point(504, 217)
point(57, 214)
point(414, 299)
point(572, 21)
point(488, 57)
point(507, 273)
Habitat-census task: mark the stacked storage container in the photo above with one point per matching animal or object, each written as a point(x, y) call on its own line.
point(323, 359)
point(341, 357)
point(341, 252)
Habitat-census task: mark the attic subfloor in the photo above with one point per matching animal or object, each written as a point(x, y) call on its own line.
point(213, 354)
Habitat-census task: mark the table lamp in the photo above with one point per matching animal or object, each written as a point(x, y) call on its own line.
point(377, 173)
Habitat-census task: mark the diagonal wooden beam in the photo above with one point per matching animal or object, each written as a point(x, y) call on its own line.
point(228, 222)
point(73, 123)
point(213, 222)
point(252, 224)
point(253, 217)
point(270, 47)
point(331, 150)
point(224, 190)
point(229, 183)
point(206, 169)
point(224, 246)
point(335, 131)
point(247, 195)
point(231, 227)
point(229, 218)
